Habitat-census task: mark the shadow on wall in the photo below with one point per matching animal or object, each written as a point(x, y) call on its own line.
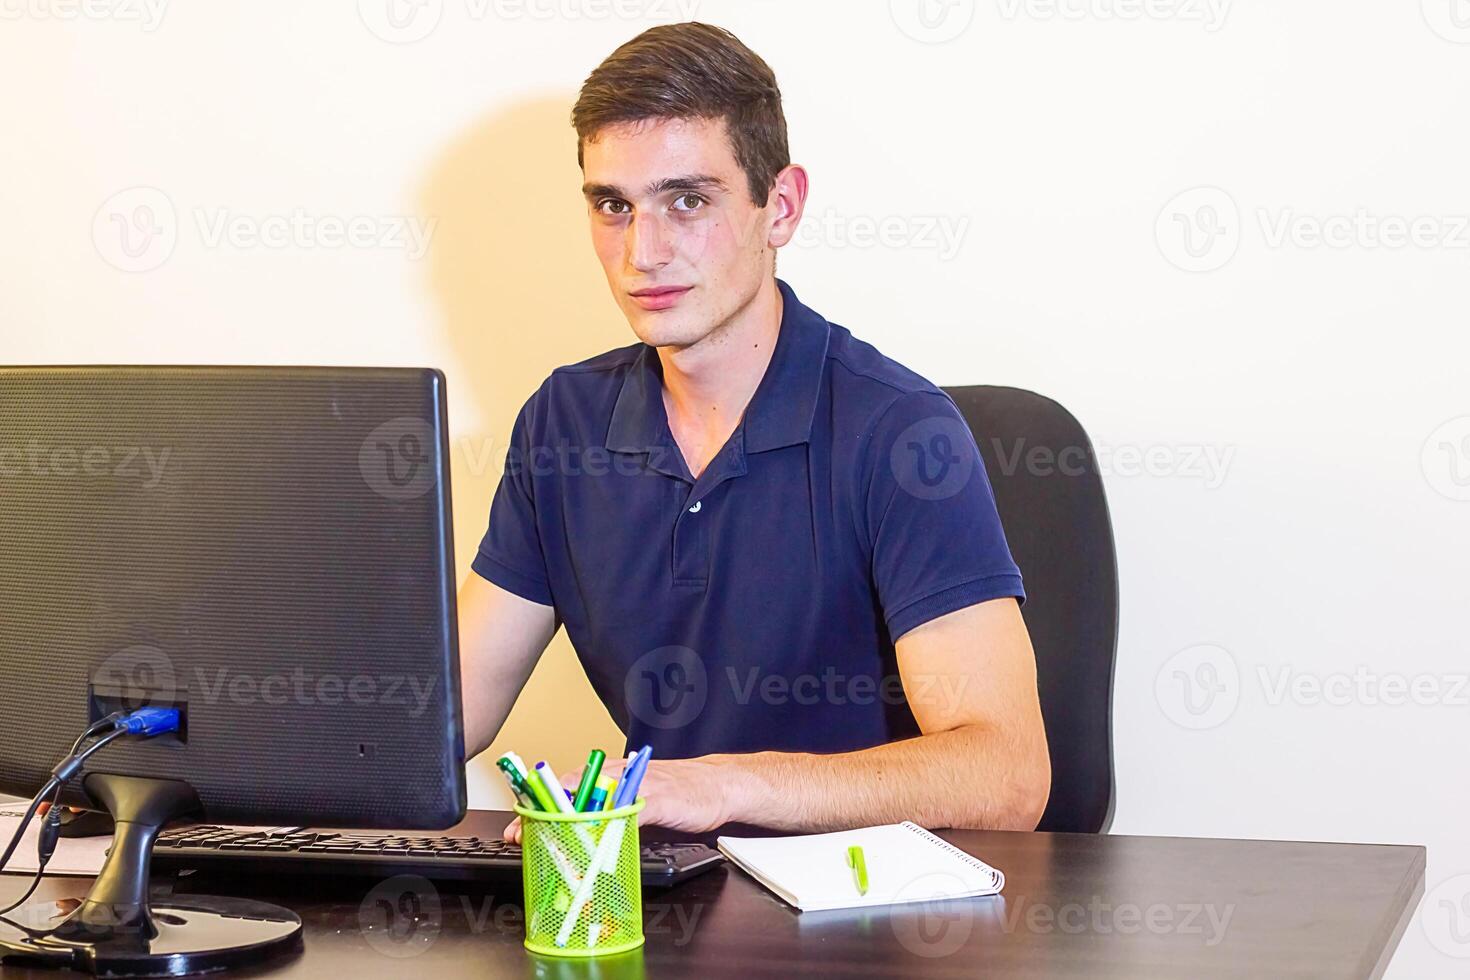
point(520, 292)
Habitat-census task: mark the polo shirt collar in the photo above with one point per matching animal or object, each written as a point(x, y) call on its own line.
point(779, 414)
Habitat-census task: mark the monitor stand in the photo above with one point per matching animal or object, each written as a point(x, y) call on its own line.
point(114, 931)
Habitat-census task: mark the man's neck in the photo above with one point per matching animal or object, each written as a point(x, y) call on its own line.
point(707, 385)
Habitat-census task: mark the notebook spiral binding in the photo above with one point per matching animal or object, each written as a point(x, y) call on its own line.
point(997, 877)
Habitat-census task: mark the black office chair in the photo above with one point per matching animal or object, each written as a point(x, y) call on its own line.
point(1050, 497)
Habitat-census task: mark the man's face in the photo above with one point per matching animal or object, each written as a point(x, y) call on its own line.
point(680, 241)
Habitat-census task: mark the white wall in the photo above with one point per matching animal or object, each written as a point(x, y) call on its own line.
point(1051, 143)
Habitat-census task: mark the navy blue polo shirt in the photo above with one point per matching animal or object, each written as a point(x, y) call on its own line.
point(757, 606)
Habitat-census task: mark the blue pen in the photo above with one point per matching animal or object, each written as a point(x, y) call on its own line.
point(628, 788)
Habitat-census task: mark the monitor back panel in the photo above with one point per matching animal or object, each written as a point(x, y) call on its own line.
point(270, 549)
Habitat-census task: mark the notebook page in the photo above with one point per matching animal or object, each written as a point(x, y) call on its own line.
point(905, 864)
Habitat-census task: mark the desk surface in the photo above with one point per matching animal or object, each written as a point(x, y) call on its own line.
point(1074, 906)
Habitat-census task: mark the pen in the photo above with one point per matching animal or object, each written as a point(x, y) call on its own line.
point(554, 788)
point(517, 784)
point(561, 802)
point(601, 793)
point(859, 869)
point(543, 798)
point(520, 765)
point(618, 788)
point(632, 777)
point(589, 780)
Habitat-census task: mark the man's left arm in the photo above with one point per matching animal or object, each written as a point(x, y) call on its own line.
point(980, 762)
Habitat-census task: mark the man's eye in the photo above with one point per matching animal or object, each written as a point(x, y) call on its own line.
point(688, 202)
point(611, 206)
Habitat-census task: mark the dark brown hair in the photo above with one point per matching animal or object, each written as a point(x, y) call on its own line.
point(691, 71)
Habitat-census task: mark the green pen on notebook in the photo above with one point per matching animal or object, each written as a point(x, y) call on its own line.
point(589, 780)
point(859, 869)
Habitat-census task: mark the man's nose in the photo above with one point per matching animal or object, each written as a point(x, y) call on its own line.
point(649, 244)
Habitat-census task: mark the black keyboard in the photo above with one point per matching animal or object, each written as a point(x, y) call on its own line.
point(304, 851)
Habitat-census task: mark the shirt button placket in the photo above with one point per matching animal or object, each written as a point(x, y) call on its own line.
point(691, 546)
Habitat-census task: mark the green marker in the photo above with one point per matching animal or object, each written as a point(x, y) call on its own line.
point(519, 785)
point(541, 796)
point(589, 780)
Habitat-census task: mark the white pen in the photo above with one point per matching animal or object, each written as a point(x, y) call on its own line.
point(559, 797)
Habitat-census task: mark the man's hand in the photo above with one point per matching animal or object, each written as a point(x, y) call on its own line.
point(683, 794)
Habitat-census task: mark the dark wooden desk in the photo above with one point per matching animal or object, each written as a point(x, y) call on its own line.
point(1074, 906)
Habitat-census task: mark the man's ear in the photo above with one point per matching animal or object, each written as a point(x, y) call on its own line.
point(788, 197)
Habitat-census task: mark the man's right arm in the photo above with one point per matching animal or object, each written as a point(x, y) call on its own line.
point(501, 636)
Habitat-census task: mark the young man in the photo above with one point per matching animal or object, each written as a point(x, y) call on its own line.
point(775, 550)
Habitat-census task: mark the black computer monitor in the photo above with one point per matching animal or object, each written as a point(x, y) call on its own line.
point(269, 550)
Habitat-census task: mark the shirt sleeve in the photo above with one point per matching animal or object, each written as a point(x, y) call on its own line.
point(510, 553)
point(935, 535)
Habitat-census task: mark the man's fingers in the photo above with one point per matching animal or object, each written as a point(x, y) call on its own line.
point(46, 805)
point(512, 832)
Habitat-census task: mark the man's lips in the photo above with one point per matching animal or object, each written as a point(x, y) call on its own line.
point(658, 297)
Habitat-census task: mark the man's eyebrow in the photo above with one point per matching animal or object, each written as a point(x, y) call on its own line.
point(684, 182)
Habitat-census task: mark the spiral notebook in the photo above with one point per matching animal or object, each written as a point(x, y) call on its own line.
point(905, 863)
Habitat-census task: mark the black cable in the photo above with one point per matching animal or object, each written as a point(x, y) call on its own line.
point(25, 821)
point(97, 728)
point(35, 882)
point(53, 819)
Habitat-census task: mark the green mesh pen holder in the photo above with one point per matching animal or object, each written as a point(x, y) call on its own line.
point(566, 913)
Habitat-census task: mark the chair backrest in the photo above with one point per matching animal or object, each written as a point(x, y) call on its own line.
point(1050, 497)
